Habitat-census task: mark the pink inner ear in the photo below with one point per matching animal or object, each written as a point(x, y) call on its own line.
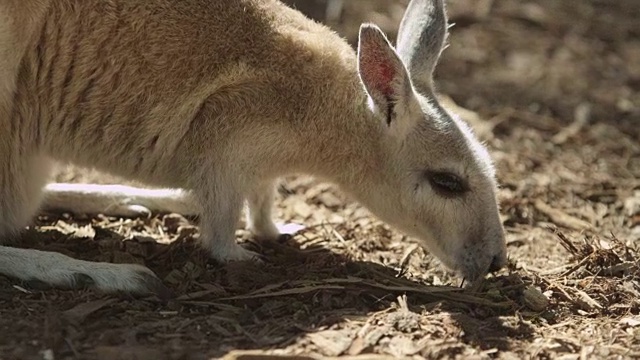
point(378, 71)
point(387, 74)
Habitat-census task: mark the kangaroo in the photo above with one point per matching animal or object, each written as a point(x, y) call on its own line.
point(216, 100)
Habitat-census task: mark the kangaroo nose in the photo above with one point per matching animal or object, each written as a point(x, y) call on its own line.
point(497, 263)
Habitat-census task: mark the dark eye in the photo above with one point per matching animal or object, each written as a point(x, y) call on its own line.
point(447, 184)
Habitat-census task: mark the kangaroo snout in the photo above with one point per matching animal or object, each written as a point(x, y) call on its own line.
point(489, 255)
point(500, 255)
point(497, 262)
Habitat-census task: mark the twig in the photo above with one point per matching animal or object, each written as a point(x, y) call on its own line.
point(439, 292)
point(561, 218)
point(576, 266)
point(285, 292)
point(407, 255)
point(581, 118)
point(553, 271)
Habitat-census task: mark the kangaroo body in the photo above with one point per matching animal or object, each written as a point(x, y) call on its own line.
point(160, 90)
point(219, 98)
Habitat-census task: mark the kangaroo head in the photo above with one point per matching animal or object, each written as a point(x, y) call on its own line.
point(436, 181)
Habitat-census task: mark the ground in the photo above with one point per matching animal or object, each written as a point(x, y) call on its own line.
point(551, 86)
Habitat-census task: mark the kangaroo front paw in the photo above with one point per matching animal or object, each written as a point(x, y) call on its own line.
point(273, 231)
point(236, 253)
point(267, 231)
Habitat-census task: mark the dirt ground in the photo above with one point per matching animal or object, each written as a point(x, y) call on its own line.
point(553, 88)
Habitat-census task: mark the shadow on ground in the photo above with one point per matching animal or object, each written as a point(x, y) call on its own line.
point(294, 293)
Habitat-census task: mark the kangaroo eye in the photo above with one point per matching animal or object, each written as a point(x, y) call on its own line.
point(447, 184)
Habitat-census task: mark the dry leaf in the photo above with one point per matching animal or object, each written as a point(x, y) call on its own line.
point(630, 321)
point(332, 342)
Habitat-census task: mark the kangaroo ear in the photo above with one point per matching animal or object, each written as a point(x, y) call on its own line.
point(382, 73)
point(421, 37)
